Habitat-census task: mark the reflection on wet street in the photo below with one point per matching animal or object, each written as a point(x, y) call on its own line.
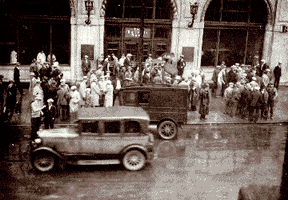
point(204, 162)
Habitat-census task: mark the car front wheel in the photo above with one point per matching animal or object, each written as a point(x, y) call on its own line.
point(44, 162)
point(134, 160)
point(167, 130)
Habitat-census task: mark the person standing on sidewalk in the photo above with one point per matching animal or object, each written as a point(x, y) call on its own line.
point(215, 80)
point(74, 103)
point(255, 104)
point(272, 95)
point(277, 74)
point(1, 95)
point(50, 113)
point(17, 78)
point(181, 64)
point(228, 95)
point(36, 111)
point(264, 104)
point(204, 98)
point(222, 81)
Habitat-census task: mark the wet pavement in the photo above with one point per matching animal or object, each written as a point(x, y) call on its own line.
point(209, 159)
point(205, 162)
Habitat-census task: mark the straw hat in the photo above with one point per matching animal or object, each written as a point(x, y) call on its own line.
point(50, 100)
point(73, 88)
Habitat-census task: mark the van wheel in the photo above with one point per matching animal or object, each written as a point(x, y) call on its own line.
point(134, 160)
point(167, 130)
point(44, 162)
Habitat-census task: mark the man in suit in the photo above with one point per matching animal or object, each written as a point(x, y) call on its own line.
point(277, 75)
point(50, 114)
point(255, 104)
point(261, 68)
point(181, 64)
point(86, 65)
point(17, 78)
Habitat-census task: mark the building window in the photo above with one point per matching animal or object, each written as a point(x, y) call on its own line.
point(229, 34)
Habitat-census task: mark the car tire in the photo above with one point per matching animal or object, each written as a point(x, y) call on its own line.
point(134, 160)
point(167, 130)
point(44, 162)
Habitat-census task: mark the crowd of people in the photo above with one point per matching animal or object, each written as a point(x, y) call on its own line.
point(248, 91)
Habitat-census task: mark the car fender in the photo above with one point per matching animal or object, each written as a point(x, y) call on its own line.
point(136, 147)
point(62, 159)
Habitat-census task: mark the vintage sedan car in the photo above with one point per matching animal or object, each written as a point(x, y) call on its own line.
point(115, 135)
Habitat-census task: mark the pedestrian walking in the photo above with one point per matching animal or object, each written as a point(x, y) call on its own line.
point(204, 98)
point(272, 95)
point(277, 74)
point(36, 112)
point(50, 113)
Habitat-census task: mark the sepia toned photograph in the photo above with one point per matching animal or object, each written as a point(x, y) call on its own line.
point(143, 99)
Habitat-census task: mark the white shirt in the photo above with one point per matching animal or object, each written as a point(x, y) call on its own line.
point(41, 58)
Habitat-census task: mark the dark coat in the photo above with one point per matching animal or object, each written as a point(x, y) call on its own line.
point(245, 97)
point(232, 77)
point(260, 71)
point(45, 87)
point(1, 93)
point(204, 98)
point(127, 63)
point(50, 114)
point(52, 93)
point(48, 72)
point(181, 64)
point(86, 67)
point(16, 75)
point(42, 72)
point(11, 96)
point(256, 99)
point(277, 72)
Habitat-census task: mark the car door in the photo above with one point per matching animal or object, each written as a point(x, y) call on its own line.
point(112, 137)
point(91, 144)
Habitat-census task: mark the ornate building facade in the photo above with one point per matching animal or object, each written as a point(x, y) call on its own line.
point(223, 30)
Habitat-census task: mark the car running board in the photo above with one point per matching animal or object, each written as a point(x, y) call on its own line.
point(98, 162)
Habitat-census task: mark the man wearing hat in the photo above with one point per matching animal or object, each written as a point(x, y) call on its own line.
point(277, 74)
point(204, 99)
point(74, 103)
point(228, 95)
point(181, 64)
point(272, 95)
point(50, 114)
point(36, 111)
point(86, 65)
point(255, 104)
point(265, 78)
point(261, 68)
point(127, 61)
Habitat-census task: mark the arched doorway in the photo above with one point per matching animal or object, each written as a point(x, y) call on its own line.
point(122, 27)
point(27, 26)
point(234, 31)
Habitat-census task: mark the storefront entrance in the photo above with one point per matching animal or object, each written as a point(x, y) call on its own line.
point(122, 27)
point(234, 32)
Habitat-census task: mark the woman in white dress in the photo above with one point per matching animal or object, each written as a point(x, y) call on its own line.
point(109, 95)
point(94, 93)
point(74, 103)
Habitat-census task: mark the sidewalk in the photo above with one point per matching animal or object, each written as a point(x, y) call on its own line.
point(216, 115)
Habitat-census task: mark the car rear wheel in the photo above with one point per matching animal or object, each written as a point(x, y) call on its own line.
point(134, 160)
point(167, 130)
point(44, 162)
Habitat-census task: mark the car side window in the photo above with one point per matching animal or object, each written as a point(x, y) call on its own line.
point(112, 127)
point(90, 128)
point(132, 127)
point(144, 97)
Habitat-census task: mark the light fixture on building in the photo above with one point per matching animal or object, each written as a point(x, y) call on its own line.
point(89, 7)
point(193, 11)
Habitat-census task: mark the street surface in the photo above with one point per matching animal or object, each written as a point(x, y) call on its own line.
point(209, 159)
point(205, 162)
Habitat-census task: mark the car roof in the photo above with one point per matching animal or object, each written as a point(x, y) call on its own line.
point(112, 113)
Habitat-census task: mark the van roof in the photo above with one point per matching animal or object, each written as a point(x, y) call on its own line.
point(155, 86)
point(112, 113)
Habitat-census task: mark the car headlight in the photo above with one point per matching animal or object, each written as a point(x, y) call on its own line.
point(37, 140)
